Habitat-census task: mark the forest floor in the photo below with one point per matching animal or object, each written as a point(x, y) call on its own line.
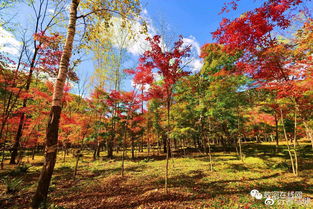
point(99, 183)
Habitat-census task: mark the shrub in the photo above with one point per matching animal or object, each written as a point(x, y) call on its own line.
point(19, 170)
point(12, 185)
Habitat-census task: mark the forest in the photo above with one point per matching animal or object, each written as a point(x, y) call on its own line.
point(103, 107)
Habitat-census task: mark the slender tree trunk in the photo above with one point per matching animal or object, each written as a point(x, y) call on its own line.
point(20, 157)
point(167, 146)
point(175, 143)
point(111, 139)
point(54, 118)
point(22, 117)
point(133, 148)
point(308, 132)
point(184, 146)
point(33, 153)
point(205, 145)
point(164, 143)
point(2, 160)
point(142, 144)
point(123, 153)
point(236, 147)
point(142, 136)
point(240, 149)
point(257, 138)
point(27, 156)
point(292, 160)
point(98, 149)
point(239, 138)
point(148, 146)
point(78, 154)
point(276, 132)
point(159, 147)
point(17, 138)
point(166, 167)
point(110, 147)
point(10, 104)
point(295, 142)
point(94, 154)
point(64, 154)
point(210, 155)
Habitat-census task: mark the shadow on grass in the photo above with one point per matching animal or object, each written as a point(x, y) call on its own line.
point(238, 167)
point(137, 158)
point(267, 151)
point(116, 192)
point(63, 173)
point(109, 171)
point(215, 188)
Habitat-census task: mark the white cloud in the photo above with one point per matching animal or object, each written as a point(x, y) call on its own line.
point(195, 46)
point(8, 43)
point(196, 63)
point(137, 45)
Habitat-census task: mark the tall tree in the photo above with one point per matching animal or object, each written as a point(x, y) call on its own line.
point(273, 64)
point(42, 24)
point(104, 9)
point(54, 117)
point(168, 65)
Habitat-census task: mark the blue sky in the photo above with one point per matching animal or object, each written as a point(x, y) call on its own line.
point(196, 18)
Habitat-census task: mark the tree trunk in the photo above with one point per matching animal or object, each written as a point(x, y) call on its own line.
point(110, 147)
point(168, 144)
point(54, 118)
point(15, 147)
point(148, 145)
point(205, 145)
point(94, 154)
point(292, 160)
point(240, 149)
point(22, 117)
point(50, 157)
point(2, 160)
point(159, 148)
point(210, 156)
point(78, 154)
point(239, 137)
point(18, 137)
point(308, 132)
point(164, 143)
point(295, 142)
point(33, 153)
point(276, 131)
point(123, 152)
point(175, 143)
point(64, 154)
point(98, 149)
point(133, 148)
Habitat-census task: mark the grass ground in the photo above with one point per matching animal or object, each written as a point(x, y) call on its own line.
point(99, 184)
